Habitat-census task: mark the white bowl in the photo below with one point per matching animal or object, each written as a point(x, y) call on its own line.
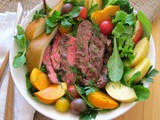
point(18, 76)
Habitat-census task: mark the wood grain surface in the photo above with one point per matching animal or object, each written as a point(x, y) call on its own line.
point(150, 109)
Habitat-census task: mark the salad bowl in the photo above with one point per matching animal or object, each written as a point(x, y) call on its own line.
point(19, 79)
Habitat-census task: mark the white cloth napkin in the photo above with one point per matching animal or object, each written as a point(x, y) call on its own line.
point(22, 110)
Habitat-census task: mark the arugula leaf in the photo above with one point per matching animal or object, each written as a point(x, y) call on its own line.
point(89, 115)
point(20, 58)
point(89, 90)
point(96, 30)
point(75, 2)
point(147, 26)
point(82, 93)
point(151, 74)
point(118, 30)
point(141, 92)
point(115, 65)
point(74, 13)
point(133, 78)
point(65, 23)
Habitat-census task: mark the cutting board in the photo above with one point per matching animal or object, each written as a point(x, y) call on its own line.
point(150, 109)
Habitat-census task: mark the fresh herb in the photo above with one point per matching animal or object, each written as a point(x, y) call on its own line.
point(39, 14)
point(82, 93)
point(20, 58)
point(89, 115)
point(151, 74)
point(66, 20)
point(76, 71)
point(89, 90)
point(141, 92)
point(124, 5)
point(115, 65)
point(96, 30)
point(147, 26)
point(30, 88)
point(43, 69)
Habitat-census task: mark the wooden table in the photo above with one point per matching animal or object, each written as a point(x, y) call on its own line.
point(150, 109)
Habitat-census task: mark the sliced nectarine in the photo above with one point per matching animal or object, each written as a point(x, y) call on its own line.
point(39, 79)
point(106, 14)
point(37, 27)
point(101, 100)
point(51, 94)
point(138, 32)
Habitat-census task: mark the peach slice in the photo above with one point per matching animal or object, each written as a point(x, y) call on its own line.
point(38, 27)
point(51, 94)
point(138, 32)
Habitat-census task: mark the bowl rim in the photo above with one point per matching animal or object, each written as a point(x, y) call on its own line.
point(40, 111)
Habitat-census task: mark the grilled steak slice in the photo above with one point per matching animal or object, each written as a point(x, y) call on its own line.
point(55, 56)
point(90, 54)
point(67, 50)
point(47, 62)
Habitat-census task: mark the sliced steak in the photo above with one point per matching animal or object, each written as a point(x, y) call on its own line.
point(47, 62)
point(67, 50)
point(55, 56)
point(90, 54)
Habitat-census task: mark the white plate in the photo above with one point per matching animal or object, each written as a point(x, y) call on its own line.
point(18, 76)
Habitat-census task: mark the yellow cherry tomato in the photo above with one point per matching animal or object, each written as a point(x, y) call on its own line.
point(64, 30)
point(62, 105)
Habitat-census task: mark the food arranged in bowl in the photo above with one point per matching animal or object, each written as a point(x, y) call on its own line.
point(86, 56)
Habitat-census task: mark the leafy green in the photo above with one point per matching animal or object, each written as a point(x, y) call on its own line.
point(115, 65)
point(89, 115)
point(39, 14)
point(96, 30)
point(82, 93)
point(30, 88)
point(43, 69)
point(20, 58)
point(89, 90)
point(92, 9)
point(141, 92)
point(151, 74)
point(75, 2)
point(133, 78)
point(66, 20)
point(123, 31)
point(124, 5)
point(147, 26)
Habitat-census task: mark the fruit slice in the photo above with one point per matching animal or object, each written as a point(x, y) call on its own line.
point(142, 67)
point(138, 32)
point(141, 50)
point(51, 94)
point(37, 27)
point(101, 100)
point(121, 92)
point(106, 14)
point(36, 49)
point(39, 80)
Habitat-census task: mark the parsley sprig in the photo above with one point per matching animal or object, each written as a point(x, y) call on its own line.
point(66, 20)
point(20, 58)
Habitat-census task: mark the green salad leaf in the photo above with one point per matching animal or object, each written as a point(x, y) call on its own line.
point(20, 58)
point(124, 5)
point(66, 20)
point(39, 14)
point(89, 115)
point(133, 78)
point(118, 30)
point(147, 26)
point(141, 92)
point(115, 65)
point(75, 2)
point(92, 9)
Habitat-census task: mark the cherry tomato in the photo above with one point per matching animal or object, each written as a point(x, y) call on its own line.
point(83, 14)
point(106, 27)
point(64, 30)
point(72, 91)
point(62, 105)
point(67, 8)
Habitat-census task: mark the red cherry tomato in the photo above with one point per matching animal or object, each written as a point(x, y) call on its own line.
point(106, 27)
point(83, 14)
point(73, 91)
